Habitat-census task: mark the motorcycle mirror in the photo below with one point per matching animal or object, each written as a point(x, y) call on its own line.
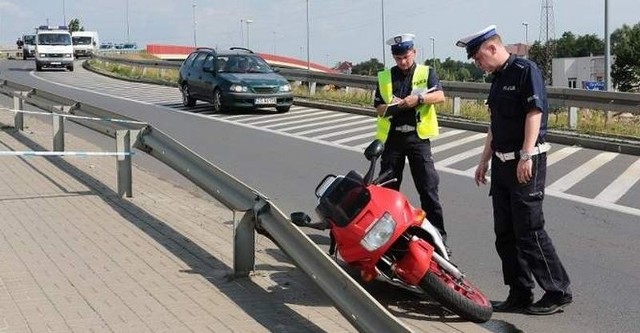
point(300, 219)
point(374, 150)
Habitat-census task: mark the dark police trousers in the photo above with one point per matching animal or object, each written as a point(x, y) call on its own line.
point(425, 177)
point(521, 241)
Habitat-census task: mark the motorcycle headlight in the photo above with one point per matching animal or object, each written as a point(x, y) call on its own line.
point(285, 88)
point(238, 88)
point(380, 233)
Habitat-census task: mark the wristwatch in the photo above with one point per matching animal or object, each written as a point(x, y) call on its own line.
point(524, 156)
point(420, 99)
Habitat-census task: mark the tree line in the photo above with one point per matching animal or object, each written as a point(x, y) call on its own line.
point(625, 51)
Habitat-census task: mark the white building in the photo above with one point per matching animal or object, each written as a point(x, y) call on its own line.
point(581, 73)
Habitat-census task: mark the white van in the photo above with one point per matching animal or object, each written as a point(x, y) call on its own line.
point(85, 43)
point(53, 48)
point(29, 47)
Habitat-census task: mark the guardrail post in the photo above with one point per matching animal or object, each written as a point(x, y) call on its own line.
point(58, 132)
point(244, 244)
point(573, 117)
point(18, 120)
point(455, 105)
point(123, 162)
point(312, 88)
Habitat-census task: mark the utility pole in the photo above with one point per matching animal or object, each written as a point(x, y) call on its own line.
point(384, 49)
point(433, 51)
point(195, 39)
point(607, 47)
point(308, 58)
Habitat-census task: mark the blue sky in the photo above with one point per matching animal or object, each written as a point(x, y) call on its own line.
point(339, 29)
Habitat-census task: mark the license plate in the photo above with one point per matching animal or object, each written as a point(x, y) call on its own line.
point(56, 63)
point(266, 101)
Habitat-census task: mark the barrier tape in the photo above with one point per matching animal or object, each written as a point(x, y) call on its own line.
point(115, 120)
point(64, 153)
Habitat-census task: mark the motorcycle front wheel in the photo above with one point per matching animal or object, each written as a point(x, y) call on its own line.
point(457, 295)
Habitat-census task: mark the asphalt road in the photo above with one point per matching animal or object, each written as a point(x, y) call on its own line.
point(599, 246)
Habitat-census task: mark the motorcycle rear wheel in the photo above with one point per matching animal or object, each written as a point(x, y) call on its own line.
point(459, 296)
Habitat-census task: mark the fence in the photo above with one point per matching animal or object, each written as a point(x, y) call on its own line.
point(364, 312)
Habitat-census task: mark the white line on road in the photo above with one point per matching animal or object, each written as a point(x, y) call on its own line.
point(573, 177)
point(621, 185)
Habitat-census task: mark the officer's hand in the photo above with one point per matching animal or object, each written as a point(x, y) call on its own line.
point(524, 171)
point(481, 174)
point(411, 101)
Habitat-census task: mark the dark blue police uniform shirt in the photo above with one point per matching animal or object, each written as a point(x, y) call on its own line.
point(402, 85)
point(516, 89)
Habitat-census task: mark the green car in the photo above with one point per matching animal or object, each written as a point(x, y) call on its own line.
point(237, 78)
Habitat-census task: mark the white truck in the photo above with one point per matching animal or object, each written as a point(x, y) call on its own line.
point(53, 48)
point(85, 43)
point(29, 46)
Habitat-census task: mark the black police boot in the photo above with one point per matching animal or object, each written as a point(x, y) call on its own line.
point(549, 304)
point(517, 301)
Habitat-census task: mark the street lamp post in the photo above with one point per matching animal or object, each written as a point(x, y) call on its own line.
point(64, 14)
point(526, 38)
point(607, 47)
point(433, 51)
point(384, 49)
point(195, 39)
point(241, 32)
point(248, 22)
point(308, 59)
point(127, 15)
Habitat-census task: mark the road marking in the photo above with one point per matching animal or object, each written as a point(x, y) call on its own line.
point(561, 154)
point(457, 143)
point(353, 123)
point(447, 134)
point(279, 117)
point(357, 137)
point(355, 129)
point(573, 177)
point(621, 185)
point(313, 124)
point(305, 120)
point(460, 157)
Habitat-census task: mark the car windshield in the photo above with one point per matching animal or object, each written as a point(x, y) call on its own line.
point(241, 63)
point(30, 39)
point(81, 40)
point(54, 39)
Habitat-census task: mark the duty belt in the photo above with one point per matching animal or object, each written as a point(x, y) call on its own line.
point(537, 150)
point(405, 128)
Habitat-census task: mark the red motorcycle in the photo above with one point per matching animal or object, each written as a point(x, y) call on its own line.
point(377, 230)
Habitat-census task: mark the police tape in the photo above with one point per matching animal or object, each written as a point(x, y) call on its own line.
point(64, 153)
point(66, 115)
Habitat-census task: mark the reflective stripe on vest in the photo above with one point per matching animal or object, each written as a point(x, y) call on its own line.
point(427, 126)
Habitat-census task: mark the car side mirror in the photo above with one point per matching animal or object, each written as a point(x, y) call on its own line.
point(374, 150)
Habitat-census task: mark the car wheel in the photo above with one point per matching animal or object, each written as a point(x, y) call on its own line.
point(217, 101)
point(38, 67)
point(283, 109)
point(70, 68)
point(187, 99)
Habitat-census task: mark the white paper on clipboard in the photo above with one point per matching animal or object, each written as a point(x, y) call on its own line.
point(422, 91)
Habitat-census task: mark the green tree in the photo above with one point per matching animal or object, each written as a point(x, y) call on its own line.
point(370, 67)
point(588, 45)
point(74, 25)
point(625, 45)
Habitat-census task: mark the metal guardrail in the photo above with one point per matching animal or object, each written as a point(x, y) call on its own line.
point(557, 96)
point(357, 306)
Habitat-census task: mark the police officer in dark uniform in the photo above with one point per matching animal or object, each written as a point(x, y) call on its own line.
point(405, 100)
point(517, 151)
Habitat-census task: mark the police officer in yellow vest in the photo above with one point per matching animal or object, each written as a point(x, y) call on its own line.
point(404, 101)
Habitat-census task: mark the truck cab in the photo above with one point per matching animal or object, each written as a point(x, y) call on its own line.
point(85, 43)
point(53, 48)
point(29, 47)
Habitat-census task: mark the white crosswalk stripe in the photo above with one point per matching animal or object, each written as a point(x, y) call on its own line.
point(573, 177)
point(622, 184)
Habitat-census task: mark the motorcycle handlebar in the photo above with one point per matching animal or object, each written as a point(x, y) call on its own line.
point(383, 177)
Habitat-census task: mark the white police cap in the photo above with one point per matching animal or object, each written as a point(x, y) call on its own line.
point(401, 43)
point(472, 42)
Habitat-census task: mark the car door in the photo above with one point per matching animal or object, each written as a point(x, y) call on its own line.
point(208, 80)
point(196, 76)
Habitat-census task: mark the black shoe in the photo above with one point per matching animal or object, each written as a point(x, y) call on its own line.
point(549, 304)
point(516, 302)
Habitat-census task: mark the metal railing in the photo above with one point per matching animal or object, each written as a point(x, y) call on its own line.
point(256, 210)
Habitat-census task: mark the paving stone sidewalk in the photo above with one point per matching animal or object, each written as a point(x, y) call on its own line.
point(75, 257)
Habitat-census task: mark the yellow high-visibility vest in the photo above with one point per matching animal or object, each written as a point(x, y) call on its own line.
point(427, 125)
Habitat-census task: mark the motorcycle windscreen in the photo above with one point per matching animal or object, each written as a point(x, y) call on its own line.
point(344, 199)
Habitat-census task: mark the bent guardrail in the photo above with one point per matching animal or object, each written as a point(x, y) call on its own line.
point(357, 306)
